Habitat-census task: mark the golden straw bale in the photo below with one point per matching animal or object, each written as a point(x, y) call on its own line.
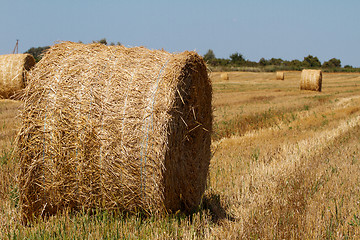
point(311, 80)
point(110, 127)
point(224, 76)
point(13, 68)
point(280, 76)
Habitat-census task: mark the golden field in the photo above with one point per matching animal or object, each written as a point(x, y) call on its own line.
point(285, 165)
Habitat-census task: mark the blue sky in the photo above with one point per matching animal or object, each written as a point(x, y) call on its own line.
point(284, 29)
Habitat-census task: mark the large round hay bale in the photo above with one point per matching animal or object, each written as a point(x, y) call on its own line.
point(280, 76)
point(224, 76)
point(311, 80)
point(13, 68)
point(112, 127)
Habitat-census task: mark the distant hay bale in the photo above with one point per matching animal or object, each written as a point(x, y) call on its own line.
point(224, 76)
point(13, 69)
point(311, 80)
point(111, 127)
point(280, 76)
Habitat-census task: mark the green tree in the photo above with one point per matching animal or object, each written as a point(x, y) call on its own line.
point(332, 63)
point(249, 63)
point(237, 58)
point(276, 61)
point(209, 56)
point(37, 52)
point(263, 62)
point(311, 61)
point(296, 64)
point(102, 41)
point(220, 62)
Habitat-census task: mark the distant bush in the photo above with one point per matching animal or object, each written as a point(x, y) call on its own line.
point(237, 59)
point(311, 62)
point(38, 52)
point(209, 56)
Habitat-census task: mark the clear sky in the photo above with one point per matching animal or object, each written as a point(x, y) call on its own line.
point(287, 29)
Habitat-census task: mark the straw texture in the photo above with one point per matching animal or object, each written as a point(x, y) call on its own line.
point(13, 68)
point(112, 127)
point(311, 80)
point(280, 76)
point(224, 76)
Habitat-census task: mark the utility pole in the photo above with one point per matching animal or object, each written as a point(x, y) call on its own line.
point(16, 48)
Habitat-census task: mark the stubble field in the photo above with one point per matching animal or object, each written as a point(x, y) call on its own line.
point(285, 165)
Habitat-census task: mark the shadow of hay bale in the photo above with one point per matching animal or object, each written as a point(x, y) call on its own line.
point(212, 202)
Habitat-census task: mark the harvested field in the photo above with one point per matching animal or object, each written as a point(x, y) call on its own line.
point(284, 165)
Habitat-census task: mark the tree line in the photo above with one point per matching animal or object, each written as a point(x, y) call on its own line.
point(237, 61)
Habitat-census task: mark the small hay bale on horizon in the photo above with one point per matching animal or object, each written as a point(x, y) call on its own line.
point(280, 76)
point(13, 69)
point(114, 128)
point(311, 80)
point(224, 76)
